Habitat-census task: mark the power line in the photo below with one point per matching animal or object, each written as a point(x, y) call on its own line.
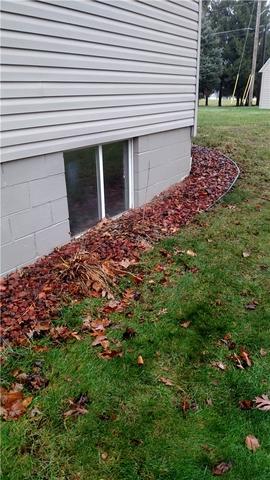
point(236, 30)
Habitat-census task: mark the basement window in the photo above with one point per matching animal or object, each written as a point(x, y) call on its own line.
point(99, 183)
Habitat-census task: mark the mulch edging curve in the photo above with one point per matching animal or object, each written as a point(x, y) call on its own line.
point(33, 296)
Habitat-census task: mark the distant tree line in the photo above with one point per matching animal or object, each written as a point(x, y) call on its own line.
point(221, 52)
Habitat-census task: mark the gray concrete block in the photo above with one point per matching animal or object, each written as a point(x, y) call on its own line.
point(60, 210)
point(146, 195)
point(29, 169)
point(15, 198)
point(158, 140)
point(157, 157)
point(17, 253)
point(47, 189)
point(54, 163)
point(6, 236)
point(163, 172)
point(54, 236)
point(24, 170)
point(30, 221)
point(42, 217)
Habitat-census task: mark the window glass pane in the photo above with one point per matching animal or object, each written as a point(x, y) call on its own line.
point(82, 192)
point(115, 170)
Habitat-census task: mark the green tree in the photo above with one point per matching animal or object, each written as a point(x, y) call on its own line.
point(234, 17)
point(210, 61)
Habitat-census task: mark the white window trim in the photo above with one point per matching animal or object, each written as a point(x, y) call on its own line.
point(100, 179)
point(130, 174)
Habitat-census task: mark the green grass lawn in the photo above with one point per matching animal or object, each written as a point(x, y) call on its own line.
point(133, 417)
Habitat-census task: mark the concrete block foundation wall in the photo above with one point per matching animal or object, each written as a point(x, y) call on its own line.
point(160, 160)
point(34, 211)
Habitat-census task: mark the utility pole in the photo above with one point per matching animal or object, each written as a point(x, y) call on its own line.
point(255, 52)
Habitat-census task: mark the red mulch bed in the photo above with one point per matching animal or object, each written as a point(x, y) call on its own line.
point(34, 295)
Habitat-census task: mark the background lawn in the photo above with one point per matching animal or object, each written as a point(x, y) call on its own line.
point(133, 418)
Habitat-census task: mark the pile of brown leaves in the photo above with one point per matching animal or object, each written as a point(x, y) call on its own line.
point(92, 264)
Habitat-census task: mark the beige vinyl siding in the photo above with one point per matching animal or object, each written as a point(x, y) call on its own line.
point(78, 73)
point(265, 86)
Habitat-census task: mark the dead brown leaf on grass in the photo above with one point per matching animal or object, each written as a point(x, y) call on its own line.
point(40, 348)
point(102, 341)
point(252, 305)
point(227, 340)
point(129, 333)
point(104, 456)
point(263, 403)
point(191, 253)
point(63, 333)
point(33, 380)
point(185, 324)
point(77, 406)
point(252, 443)
point(166, 381)
point(242, 360)
point(246, 404)
point(13, 404)
point(219, 365)
point(140, 361)
point(245, 356)
point(109, 354)
point(185, 406)
point(221, 468)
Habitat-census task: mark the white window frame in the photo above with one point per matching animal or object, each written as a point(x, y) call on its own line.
point(130, 174)
point(100, 179)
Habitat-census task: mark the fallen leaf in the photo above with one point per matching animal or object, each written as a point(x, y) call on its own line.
point(219, 365)
point(263, 352)
point(185, 324)
point(185, 405)
point(40, 348)
point(222, 468)
point(242, 360)
point(227, 340)
point(98, 340)
point(125, 263)
point(109, 354)
point(33, 381)
point(162, 311)
point(245, 358)
point(77, 406)
point(209, 402)
point(166, 381)
point(236, 359)
point(246, 404)
point(137, 296)
point(129, 333)
point(35, 412)
point(263, 403)
point(252, 443)
point(246, 254)
point(13, 404)
point(140, 360)
point(191, 253)
point(251, 305)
